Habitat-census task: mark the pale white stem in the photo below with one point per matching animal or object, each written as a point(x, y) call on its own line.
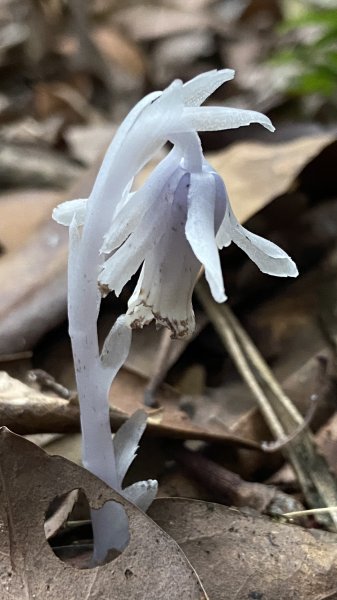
point(122, 161)
point(93, 388)
point(83, 307)
point(96, 434)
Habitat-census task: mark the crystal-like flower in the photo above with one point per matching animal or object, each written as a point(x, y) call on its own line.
point(179, 219)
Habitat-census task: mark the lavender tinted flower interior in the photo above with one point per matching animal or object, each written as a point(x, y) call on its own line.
point(170, 227)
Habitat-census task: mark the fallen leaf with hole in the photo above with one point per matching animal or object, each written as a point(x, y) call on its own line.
point(244, 556)
point(152, 566)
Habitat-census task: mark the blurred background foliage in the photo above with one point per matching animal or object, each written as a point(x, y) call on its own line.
point(308, 47)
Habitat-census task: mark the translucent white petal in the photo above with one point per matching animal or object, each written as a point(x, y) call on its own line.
point(137, 290)
point(116, 347)
point(120, 267)
point(200, 87)
point(126, 441)
point(200, 230)
point(269, 257)
point(125, 197)
point(74, 248)
point(144, 131)
point(124, 263)
point(168, 276)
point(215, 118)
point(64, 213)
point(129, 215)
point(153, 127)
point(124, 222)
point(165, 295)
point(223, 237)
point(141, 493)
point(132, 117)
point(221, 199)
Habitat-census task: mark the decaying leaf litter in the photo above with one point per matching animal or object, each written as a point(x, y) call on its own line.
point(82, 84)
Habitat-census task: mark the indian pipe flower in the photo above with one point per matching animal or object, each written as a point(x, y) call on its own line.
point(180, 218)
point(176, 222)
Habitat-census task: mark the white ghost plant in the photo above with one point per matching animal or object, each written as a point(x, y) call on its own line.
point(175, 223)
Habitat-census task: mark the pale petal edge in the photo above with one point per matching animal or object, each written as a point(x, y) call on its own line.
point(198, 89)
point(200, 231)
point(141, 493)
point(65, 212)
point(269, 257)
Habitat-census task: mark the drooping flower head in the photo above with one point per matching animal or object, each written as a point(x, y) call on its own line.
point(180, 218)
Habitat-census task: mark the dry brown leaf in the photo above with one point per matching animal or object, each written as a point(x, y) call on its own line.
point(31, 166)
point(127, 396)
point(33, 280)
point(119, 50)
point(36, 205)
point(26, 411)
point(247, 557)
point(28, 130)
point(14, 391)
point(63, 98)
point(152, 565)
point(269, 170)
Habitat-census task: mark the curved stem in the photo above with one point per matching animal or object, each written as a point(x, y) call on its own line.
point(131, 148)
point(93, 388)
point(190, 147)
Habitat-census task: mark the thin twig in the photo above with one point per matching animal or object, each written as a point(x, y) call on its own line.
point(309, 511)
point(14, 356)
point(47, 381)
point(262, 368)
